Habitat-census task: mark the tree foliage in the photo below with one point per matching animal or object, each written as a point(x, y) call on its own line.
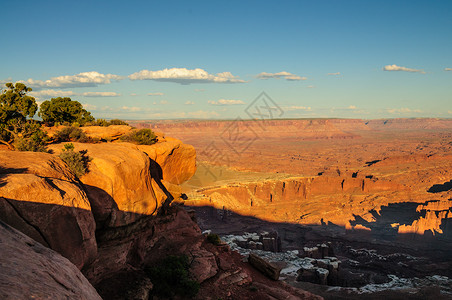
point(64, 110)
point(17, 129)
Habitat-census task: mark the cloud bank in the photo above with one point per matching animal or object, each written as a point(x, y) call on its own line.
point(55, 93)
point(185, 76)
point(155, 94)
point(285, 75)
point(404, 69)
point(403, 110)
point(226, 102)
point(85, 79)
point(334, 74)
point(447, 69)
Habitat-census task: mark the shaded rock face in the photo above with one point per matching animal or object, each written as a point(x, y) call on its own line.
point(31, 271)
point(40, 197)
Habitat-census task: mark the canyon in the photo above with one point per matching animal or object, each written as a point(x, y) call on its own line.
point(98, 236)
point(384, 185)
point(338, 208)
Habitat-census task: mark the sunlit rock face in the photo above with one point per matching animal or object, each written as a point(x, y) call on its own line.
point(126, 182)
point(41, 197)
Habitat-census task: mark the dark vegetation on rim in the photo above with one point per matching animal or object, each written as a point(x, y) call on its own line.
point(170, 278)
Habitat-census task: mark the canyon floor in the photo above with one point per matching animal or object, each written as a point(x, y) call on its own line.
point(378, 191)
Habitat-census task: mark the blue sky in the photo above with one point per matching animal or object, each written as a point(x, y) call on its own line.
point(211, 59)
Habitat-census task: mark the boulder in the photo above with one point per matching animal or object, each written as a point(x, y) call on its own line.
point(268, 269)
point(203, 265)
point(31, 271)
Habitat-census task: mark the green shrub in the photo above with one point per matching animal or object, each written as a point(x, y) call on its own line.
point(100, 122)
point(105, 123)
point(71, 134)
point(36, 142)
point(171, 277)
point(76, 161)
point(118, 122)
point(214, 239)
point(140, 137)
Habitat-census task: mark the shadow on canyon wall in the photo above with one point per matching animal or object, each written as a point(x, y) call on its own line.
point(438, 188)
point(381, 234)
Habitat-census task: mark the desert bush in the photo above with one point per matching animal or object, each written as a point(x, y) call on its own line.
point(76, 161)
point(140, 137)
point(117, 122)
point(213, 239)
point(105, 123)
point(171, 277)
point(71, 134)
point(35, 142)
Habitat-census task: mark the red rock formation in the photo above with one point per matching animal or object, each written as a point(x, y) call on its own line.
point(436, 212)
point(32, 271)
point(40, 197)
point(124, 181)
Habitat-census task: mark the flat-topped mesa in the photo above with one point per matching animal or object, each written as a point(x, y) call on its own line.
point(328, 197)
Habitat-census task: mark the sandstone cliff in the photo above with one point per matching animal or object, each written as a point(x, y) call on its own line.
point(42, 198)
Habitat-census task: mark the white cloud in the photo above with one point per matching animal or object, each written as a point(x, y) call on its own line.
point(189, 103)
point(131, 109)
point(447, 69)
point(310, 86)
point(398, 68)
point(100, 94)
point(334, 74)
point(449, 112)
point(89, 107)
point(226, 102)
point(199, 90)
point(295, 107)
point(155, 94)
point(185, 76)
point(163, 102)
point(85, 79)
point(403, 110)
point(284, 75)
point(133, 94)
point(51, 94)
point(352, 107)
